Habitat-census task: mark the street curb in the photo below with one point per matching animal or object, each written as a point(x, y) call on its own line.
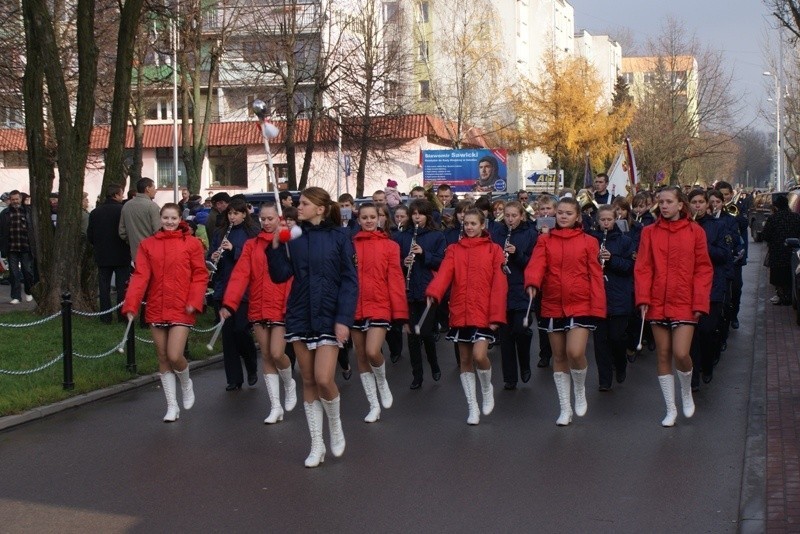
point(752, 501)
point(35, 414)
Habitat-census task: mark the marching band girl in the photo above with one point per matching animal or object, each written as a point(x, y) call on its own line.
point(227, 247)
point(381, 301)
point(266, 310)
point(616, 261)
point(672, 278)
point(453, 233)
point(472, 269)
point(422, 247)
point(394, 337)
point(716, 203)
point(564, 268)
point(517, 237)
point(172, 276)
point(706, 341)
point(320, 309)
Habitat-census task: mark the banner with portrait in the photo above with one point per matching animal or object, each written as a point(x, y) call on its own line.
point(479, 170)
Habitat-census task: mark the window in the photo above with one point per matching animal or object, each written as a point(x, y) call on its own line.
point(424, 9)
point(281, 176)
point(628, 77)
point(160, 110)
point(422, 53)
point(228, 166)
point(165, 169)
point(12, 117)
point(390, 11)
point(424, 90)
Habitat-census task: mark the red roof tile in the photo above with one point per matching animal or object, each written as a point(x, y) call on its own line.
point(404, 127)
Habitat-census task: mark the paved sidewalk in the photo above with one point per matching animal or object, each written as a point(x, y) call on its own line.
point(783, 416)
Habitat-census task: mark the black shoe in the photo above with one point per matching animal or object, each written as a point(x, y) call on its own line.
point(651, 345)
point(347, 373)
point(543, 362)
point(631, 355)
point(604, 387)
point(526, 375)
point(707, 377)
point(252, 379)
point(437, 374)
point(724, 346)
point(416, 383)
point(394, 357)
point(695, 388)
point(621, 375)
point(510, 385)
point(233, 387)
point(735, 324)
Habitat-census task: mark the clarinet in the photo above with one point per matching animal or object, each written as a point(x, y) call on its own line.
point(506, 269)
point(212, 265)
point(412, 256)
point(602, 248)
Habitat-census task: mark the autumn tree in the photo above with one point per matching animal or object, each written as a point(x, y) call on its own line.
point(565, 115)
point(685, 108)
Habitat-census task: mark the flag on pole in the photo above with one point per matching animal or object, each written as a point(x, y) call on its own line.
point(622, 178)
point(588, 179)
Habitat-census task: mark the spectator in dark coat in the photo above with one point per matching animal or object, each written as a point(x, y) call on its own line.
point(111, 253)
point(780, 225)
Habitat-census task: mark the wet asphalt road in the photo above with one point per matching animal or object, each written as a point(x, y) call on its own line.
point(113, 466)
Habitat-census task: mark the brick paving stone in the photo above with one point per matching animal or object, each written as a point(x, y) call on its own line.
point(783, 417)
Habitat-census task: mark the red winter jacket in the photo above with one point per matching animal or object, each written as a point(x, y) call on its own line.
point(267, 300)
point(565, 269)
point(170, 275)
point(673, 271)
point(381, 284)
point(479, 288)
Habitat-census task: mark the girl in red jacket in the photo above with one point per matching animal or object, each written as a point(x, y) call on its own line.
point(266, 311)
point(171, 276)
point(672, 278)
point(472, 268)
point(381, 300)
point(566, 270)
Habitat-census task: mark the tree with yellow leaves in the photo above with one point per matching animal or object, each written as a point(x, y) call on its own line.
point(566, 116)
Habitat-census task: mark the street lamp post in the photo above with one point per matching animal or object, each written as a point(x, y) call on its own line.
point(778, 154)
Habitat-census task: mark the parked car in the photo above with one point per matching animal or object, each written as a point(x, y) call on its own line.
point(761, 208)
point(256, 199)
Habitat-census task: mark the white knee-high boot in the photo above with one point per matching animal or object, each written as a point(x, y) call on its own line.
point(487, 390)
point(368, 381)
point(274, 393)
point(383, 385)
point(668, 390)
point(334, 425)
point(468, 383)
point(170, 392)
point(579, 379)
point(686, 392)
point(314, 419)
point(563, 386)
point(187, 389)
point(289, 387)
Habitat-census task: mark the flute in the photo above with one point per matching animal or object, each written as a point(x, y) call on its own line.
point(212, 264)
point(506, 268)
point(411, 255)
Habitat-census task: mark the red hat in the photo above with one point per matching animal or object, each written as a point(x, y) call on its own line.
point(391, 183)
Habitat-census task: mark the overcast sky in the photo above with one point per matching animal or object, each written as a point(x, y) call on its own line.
point(738, 28)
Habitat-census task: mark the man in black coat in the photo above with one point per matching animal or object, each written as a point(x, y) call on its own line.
point(111, 253)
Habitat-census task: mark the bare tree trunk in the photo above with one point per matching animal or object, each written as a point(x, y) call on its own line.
point(63, 272)
point(115, 154)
